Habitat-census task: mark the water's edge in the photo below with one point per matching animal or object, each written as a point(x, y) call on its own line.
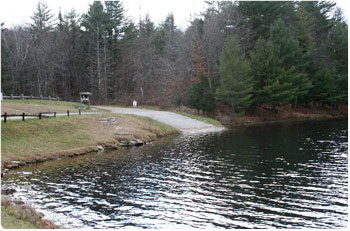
point(241, 169)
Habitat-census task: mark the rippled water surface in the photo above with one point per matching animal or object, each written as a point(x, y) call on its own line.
point(283, 176)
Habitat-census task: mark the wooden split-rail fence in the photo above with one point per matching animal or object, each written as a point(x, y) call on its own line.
point(40, 115)
point(30, 97)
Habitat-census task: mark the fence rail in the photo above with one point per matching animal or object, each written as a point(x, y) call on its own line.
point(30, 97)
point(39, 115)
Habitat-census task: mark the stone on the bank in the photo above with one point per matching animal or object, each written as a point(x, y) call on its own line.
point(8, 191)
point(108, 120)
point(139, 143)
point(100, 148)
point(132, 143)
point(14, 164)
point(123, 143)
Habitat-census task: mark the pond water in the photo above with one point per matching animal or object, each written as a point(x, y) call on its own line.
point(283, 176)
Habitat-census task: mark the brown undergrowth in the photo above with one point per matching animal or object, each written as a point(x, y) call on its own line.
point(265, 114)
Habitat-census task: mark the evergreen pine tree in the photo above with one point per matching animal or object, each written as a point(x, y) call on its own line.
point(337, 46)
point(235, 83)
point(269, 77)
point(200, 96)
point(61, 23)
point(278, 68)
point(292, 60)
point(42, 19)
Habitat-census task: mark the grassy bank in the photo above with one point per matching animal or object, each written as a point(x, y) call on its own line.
point(35, 138)
point(201, 118)
point(17, 106)
point(21, 217)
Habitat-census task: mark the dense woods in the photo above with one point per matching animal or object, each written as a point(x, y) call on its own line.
point(239, 54)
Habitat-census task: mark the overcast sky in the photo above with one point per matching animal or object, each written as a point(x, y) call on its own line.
point(14, 12)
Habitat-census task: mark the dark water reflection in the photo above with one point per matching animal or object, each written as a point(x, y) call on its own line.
point(283, 176)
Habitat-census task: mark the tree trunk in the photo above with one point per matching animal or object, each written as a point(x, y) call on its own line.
point(233, 110)
point(105, 69)
point(98, 61)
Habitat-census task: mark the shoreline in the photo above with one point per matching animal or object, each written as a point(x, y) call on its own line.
point(286, 120)
point(15, 207)
point(117, 144)
point(27, 214)
point(9, 204)
point(107, 146)
point(70, 153)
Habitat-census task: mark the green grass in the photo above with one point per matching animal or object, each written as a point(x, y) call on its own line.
point(15, 218)
point(201, 118)
point(155, 125)
point(68, 105)
point(19, 139)
point(26, 139)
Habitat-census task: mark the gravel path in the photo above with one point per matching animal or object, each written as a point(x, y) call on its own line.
point(185, 124)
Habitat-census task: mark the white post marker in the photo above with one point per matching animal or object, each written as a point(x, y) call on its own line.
point(134, 103)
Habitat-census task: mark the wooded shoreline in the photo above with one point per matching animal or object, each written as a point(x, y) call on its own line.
point(284, 113)
point(239, 62)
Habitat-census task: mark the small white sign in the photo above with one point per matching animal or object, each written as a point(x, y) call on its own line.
point(134, 103)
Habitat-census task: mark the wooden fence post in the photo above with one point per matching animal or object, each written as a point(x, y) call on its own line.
point(68, 113)
point(79, 111)
point(5, 117)
point(22, 96)
point(41, 97)
point(23, 115)
point(11, 96)
point(54, 114)
point(49, 97)
point(40, 115)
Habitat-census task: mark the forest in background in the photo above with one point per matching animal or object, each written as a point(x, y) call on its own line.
point(239, 54)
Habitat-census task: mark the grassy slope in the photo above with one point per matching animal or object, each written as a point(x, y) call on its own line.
point(153, 125)
point(26, 139)
point(22, 140)
point(12, 219)
point(201, 118)
point(41, 102)
point(36, 106)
